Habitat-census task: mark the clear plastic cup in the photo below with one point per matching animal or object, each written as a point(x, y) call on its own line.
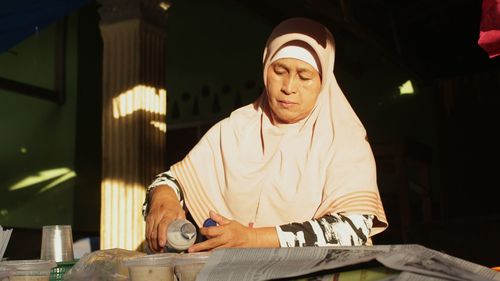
point(57, 243)
point(158, 267)
point(187, 266)
point(29, 270)
point(5, 273)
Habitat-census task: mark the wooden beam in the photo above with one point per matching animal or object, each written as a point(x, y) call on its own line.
point(58, 95)
point(29, 90)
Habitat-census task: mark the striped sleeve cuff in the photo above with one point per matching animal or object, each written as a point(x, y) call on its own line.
point(162, 179)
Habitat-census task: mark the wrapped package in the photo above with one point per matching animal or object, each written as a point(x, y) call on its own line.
point(102, 265)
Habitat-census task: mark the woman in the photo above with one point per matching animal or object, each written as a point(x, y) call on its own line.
point(292, 169)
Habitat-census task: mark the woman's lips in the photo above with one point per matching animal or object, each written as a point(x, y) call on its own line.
point(286, 104)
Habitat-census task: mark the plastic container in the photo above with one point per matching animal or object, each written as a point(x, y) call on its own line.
point(5, 273)
point(187, 266)
point(29, 270)
point(158, 267)
point(181, 234)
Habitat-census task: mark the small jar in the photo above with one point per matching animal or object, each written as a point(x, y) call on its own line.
point(181, 234)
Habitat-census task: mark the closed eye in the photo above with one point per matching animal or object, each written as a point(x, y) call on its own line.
point(279, 70)
point(305, 77)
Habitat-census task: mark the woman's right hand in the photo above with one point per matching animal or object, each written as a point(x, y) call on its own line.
point(164, 208)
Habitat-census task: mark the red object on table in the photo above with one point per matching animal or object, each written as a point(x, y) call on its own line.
point(489, 34)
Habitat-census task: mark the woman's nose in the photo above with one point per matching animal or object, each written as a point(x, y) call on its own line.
point(289, 86)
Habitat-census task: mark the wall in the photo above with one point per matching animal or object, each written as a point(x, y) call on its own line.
point(213, 66)
point(37, 138)
point(213, 58)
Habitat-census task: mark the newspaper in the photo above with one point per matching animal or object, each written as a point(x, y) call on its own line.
point(415, 262)
point(265, 264)
point(419, 259)
point(379, 273)
point(4, 240)
point(363, 276)
point(409, 276)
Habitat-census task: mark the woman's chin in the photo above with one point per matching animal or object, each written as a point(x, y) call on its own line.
point(287, 119)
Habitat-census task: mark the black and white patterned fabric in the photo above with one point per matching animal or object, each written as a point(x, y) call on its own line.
point(167, 179)
point(329, 230)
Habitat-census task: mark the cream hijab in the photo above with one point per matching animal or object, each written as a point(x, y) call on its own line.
point(254, 172)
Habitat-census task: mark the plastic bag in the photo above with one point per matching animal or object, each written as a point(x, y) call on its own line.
point(102, 265)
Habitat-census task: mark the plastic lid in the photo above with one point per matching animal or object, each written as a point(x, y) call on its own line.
point(192, 258)
point(151, 260)
point(29, 265)
point(5, 272)
point(188, 231)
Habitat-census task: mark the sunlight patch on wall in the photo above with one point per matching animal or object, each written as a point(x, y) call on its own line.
point(140, 97)
point(57, 176)
point(57, 181)
point(406, 88)
point(165, 5)
point(122, 224)
point(162, 126)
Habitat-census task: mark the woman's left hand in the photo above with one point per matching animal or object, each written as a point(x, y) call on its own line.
point(228, 234)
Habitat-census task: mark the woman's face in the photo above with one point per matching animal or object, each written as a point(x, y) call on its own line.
point(293, 87)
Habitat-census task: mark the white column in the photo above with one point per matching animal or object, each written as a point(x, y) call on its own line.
point(134, 115)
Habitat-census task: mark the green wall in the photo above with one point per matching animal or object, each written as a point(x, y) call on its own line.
point(213, 58)
point(37, 137)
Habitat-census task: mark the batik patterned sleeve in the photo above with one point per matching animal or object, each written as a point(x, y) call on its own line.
point(329, 230)
point(167, 179)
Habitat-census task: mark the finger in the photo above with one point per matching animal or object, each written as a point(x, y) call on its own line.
point(148, 226)
point(162, 232)
point(153, 238)
point(218, 218)
point(212, 231)
point(152, 247)
point(206, 245)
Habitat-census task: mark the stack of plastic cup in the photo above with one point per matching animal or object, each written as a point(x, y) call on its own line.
point(29, 270)
point(5, 273)
point(57, 243)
